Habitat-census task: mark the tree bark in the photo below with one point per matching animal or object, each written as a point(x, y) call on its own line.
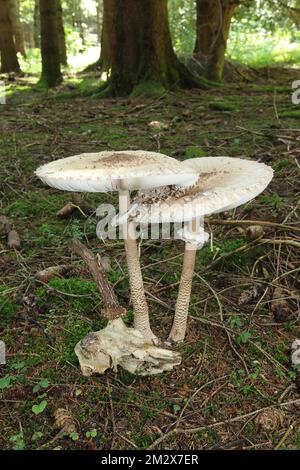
point(50, 44)
point(14, 14)
point(9, 59)
point(99, 19)
point(105, 59)
point(36, 24)
point(136, 46)
point(213, 26)
point(62, 36)
point(103, 63)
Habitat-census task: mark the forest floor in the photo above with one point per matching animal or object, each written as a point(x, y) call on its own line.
point(235, 387)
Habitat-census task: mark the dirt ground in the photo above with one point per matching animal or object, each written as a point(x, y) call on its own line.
point(236, 388)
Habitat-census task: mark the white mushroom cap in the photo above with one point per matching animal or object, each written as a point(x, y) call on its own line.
point(113, 171)
point(224, 183)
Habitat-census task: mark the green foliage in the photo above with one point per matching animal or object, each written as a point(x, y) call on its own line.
point(261, 50)
point(243, 337)
point(273, 200)
point(91, 434)
point(35, 203)
point(80, 293)
point(40, 385)
point(194, 152)
point(222, 248)
point(18, 441)
point(296, 440)
point(182, 17)
point(6, 382)
point(40, 407)
point(8, 306)
point(281, 165)
point(36, 436)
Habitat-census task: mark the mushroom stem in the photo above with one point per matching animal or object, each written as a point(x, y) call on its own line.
point(140, 307)
point(179, 326)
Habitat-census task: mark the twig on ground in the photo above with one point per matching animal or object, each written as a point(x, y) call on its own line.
point(177, 430)
point(265, 223)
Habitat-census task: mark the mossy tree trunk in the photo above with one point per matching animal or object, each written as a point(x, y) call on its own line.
point(9, 59)
point(136, 46)
point(14, 13)
point(213, 26)
point(61, 33)
point(50, 43)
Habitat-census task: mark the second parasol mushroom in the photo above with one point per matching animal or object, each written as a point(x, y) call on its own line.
point(122, 171)
point(223, 184)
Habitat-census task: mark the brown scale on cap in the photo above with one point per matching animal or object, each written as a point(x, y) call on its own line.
point(119, 159)
point(173, 192)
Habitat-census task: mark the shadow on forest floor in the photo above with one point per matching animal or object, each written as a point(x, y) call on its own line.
point(41, 323)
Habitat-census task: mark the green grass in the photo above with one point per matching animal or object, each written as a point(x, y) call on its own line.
point(290, 113)
point(223, 105)
point(263, 49)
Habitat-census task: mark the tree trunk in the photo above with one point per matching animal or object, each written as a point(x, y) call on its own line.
point(78, 19)
point(36, 24)
point(9, 59)
point(137, 47)
point(103, 63)
point(62, 36)
point(213, 26)
point(14, 14)
point(51, 72)
point(99, 19)
point(105, 59)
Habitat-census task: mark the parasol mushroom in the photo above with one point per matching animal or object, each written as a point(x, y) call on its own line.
point(223, 184)
point(121, 171)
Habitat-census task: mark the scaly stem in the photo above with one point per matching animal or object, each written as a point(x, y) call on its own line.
point(179, 326)
point(140, 307)
point(178, 330)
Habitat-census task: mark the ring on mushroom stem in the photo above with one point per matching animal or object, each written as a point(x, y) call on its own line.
point(224, 183)
point(121, 171)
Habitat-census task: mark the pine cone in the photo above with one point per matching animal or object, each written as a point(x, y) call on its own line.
point(269, 420)
point(65, 421)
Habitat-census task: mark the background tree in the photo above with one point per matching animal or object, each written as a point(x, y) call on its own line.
point(136, 43)
point(14, 14)
point(61, 34)
point(50, 43)
point(212, 31)
point(36, 24)
point(9, 59)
